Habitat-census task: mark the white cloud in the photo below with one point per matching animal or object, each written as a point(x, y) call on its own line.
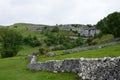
point(56, 11)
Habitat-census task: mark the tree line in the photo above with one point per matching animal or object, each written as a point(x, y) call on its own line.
point(110, 24)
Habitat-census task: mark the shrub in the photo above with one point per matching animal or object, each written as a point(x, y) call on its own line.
point(11, 41)
point(89, 41)
point(43, 50)
point(55, 29)
point(31, 41)
point(79, 41)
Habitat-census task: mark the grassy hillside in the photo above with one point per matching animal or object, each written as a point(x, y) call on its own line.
point(22, 28)
point(111, 51)
point(27, 50)
point(23, 25)
point(15, 68)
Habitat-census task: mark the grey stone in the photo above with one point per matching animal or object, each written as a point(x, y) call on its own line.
point(87, 68)
point(36, 53)
point(50, 54)
point(33, 60)
point(29, 57)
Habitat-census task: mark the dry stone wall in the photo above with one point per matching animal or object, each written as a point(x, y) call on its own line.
point(78, 49)
point(86, 68)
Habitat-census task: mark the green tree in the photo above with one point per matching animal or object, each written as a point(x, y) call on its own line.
point(110, 24)
point(10, 42)
point(43, 50)
point(79, 41)
point(31, 41)
point(55, 29)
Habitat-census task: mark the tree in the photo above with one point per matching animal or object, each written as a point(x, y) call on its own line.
point(55, 29)
point(31, 41)
point(10, 42)
point(43, 50)
point(110, 24)
point(79, 41)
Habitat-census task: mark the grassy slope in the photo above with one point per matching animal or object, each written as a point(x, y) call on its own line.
point(21, 28)
point(15, 68)
point(23, 25)
point(27, 32)
point(27, 50)
point(111, 51)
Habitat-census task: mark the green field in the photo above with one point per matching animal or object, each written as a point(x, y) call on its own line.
point(111, 51)
point(15, 68)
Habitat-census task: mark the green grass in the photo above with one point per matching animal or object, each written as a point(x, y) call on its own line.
point(16, 69)
point(24, 25)
point(26, 33)
point(111, 51)
point(27, 50)
point(58, 52)
point(104, 38)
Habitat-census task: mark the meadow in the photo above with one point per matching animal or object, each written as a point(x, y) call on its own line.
point(15, 68)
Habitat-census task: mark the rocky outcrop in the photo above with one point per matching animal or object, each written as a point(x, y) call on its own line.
point(83, 30)
point(86, 68)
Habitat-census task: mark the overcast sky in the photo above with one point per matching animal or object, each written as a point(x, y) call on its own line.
point(56, 11)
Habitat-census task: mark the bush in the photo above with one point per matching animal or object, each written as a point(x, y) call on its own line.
point(67, 45)
point(31, 41)
point(8, 53)
point(79, 41)
point(10, 42)
point(89, 41)
point(43, 50)
point(55, 29)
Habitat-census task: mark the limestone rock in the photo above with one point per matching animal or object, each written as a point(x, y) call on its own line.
point(29, 57)
point(50, 54)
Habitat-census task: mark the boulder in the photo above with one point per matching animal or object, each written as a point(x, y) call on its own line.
point(36, 53)
point(50, 54)
point(33, 60)
point(29, 57)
